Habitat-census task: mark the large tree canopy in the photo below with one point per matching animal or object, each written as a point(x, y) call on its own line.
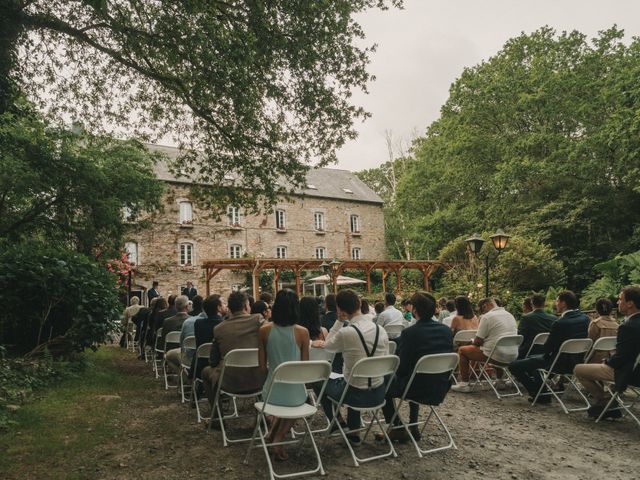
point(258, 88)
point(543, 139)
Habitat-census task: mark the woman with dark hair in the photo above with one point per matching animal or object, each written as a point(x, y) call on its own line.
point(310, 318)
point(160, 305)
point(603, 326)
point(262, 308)
point(465, 318)
point(283, 341)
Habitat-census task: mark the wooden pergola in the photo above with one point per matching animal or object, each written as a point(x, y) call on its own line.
point(257, 265)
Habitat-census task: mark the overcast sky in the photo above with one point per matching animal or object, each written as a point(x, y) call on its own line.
point(423, 49)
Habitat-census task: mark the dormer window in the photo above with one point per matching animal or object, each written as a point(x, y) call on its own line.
point(347, 190)
point(312, 187)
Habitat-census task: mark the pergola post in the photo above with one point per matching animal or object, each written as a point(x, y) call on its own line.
point(368, 272)
point(384, 280)
point(398, 281)
point(296, 272)
point(276, 280)
point(255, 281)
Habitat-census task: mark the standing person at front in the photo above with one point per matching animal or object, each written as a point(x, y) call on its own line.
point(282, 340)
point(571, 324)
point(356, 337)
point(495, 322)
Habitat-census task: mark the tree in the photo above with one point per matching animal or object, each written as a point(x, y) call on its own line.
point(253, 88)
point(542, 139)
point(70, 188)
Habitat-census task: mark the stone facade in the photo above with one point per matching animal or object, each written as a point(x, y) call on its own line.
point(159, 254)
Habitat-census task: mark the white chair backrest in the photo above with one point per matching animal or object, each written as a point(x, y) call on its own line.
point(464, 336)
point(437, 363)
point(605, 344)
point(540, 339)
point(189, 342)
point(509, 341)
point(159, 333)
point(302, 372)
point(392, 347)
point(242, 357)
point(172, 337)
point(576, 345)
point(395, 330)
point(318, 354)
point(203, 351)
point(374, 367)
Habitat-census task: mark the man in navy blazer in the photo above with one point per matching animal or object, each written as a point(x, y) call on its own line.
point(571, 324)
point(427, 336)
point(533, 323)
point(618, 368)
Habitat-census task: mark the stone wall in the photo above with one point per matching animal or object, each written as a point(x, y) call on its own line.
point(159, 245)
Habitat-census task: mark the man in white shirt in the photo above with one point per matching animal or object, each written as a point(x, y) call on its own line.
point(391, 317)
point(356, 337)
point(495, 322)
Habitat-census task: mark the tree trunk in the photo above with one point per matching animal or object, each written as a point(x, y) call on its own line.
point(10, 30)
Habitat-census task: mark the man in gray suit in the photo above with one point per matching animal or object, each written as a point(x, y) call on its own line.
point(240, 330)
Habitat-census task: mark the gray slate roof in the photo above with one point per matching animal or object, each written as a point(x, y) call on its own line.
point(329, 182)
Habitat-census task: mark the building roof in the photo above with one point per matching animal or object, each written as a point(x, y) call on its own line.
point(321, 182)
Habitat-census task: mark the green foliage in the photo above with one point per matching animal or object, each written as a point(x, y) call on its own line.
point(543, 140)
point(259, 89)
point(617, 273)
point(49, 291)
point(67, 187)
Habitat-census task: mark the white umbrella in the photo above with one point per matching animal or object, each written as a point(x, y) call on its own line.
point(341, 280)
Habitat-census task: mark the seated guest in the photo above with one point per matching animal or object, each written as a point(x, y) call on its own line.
point(365, 309)
point(174, 324)
point(378, 307)
point(188, 330)
point(212, 311)
point(263, 308)
point(240, 330)
point(196, 306)
point(451, 313)
point(310, 319)
point(571, 324)
point(441, 310)
point(425, 337)
point(618, 368)
point(267, 298)
point(330, 315)
point(391, 315)
point(356, 337)
point(531, 324)
point(169, 311)
point(495, 322)
point(141, 321)
point(465, 319)
point(283, 341)
point(127, 323)
point(158, 305)
point(406, 310)
point(603, 326)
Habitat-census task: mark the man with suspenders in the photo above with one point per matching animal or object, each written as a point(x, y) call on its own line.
point(356, 337)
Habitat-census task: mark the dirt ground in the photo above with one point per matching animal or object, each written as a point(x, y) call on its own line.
point(159, 439)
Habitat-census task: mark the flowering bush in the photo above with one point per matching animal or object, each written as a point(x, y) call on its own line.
point(120, 267)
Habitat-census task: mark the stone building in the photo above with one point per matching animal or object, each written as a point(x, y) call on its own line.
point(335, 216)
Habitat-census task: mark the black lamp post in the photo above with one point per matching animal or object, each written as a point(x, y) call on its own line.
point(331, 269)
point(475, 242)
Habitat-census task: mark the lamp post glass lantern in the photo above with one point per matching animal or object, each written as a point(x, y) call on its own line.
point(499, 241)
point(331, 269)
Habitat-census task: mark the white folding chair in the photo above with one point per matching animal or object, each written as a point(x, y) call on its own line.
point(539, 339)
point(616, 397)
point(602, 344)
point(239, 358)
point(462, 337)
point(201, 355)
point(156, 353)
point(291, 373)
point(439, 363)
point(574, 346)
point(505, 341)
point(189, 343)
point(394, 331)
point(172, 338)
point(393, 346)
point(130, 332)
point(371, 367)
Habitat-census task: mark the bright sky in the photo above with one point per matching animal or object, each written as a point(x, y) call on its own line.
point(424, 48)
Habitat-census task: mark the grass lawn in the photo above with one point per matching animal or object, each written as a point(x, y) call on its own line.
point(59, 435)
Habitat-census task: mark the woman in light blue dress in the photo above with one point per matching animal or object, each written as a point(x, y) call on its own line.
point(282, 340)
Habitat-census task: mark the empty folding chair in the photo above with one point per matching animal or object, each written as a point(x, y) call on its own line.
point(574, 346)
point(394, 331)
point(189, 343)
point(602, 344)
point(538, 340)
point(158, 354)
point(393, 346)
point(513, 341)
point(371, 367)
point(173, 339)
point(201, 355)
point(616, 396)
point(291, 373)
point(239, 358)
point(439, 363)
